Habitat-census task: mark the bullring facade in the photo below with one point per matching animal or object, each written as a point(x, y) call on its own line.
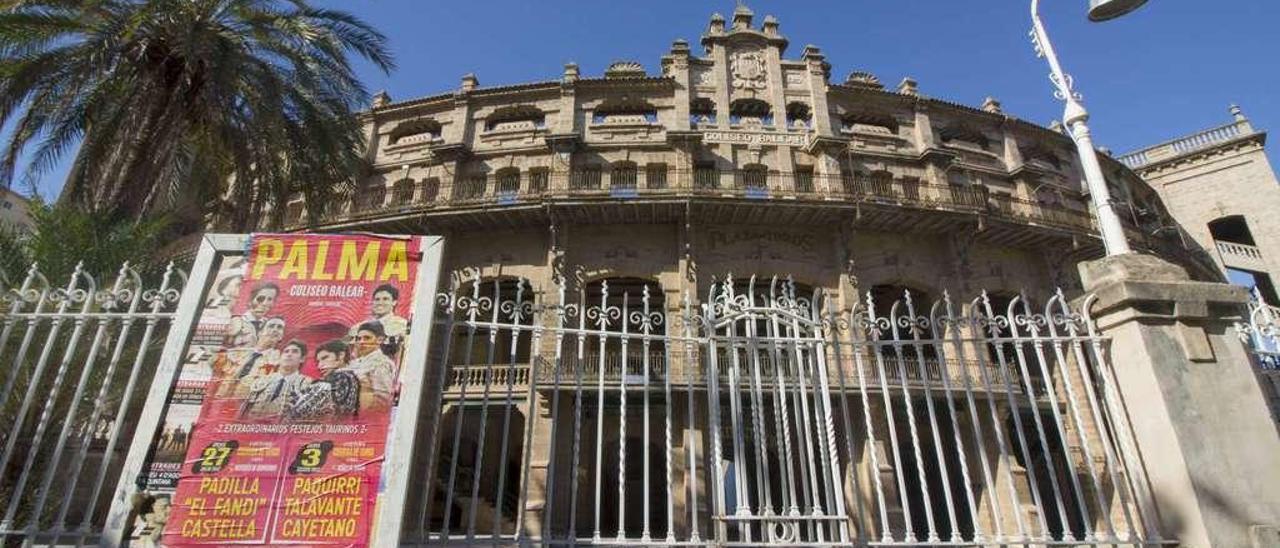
point(594, 226)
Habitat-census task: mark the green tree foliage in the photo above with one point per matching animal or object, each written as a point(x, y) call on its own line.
point(63, 236)
point(214, 109)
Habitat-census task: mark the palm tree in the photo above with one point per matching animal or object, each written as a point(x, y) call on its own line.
point(221, 107)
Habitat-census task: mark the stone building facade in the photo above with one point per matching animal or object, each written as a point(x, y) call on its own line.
point(746, 181)
point(1219, 186)
point(730, 158)
point(13, 209)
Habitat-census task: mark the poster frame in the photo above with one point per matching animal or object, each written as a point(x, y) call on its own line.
point(393, 483)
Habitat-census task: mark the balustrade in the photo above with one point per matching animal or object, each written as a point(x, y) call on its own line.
point(1184, 145)
point(1242, 250)
point(635, 368)
point(538, 185)
point(494, 375)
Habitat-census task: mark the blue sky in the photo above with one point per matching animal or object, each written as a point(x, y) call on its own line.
point(1168, 69)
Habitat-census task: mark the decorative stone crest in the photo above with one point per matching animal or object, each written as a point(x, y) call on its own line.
point(863, 79)
point(624, 69)
point(748, 69)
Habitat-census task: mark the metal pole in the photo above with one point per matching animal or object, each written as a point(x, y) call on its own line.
point(1075, 116)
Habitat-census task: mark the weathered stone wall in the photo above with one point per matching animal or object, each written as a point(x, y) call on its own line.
point(1233, 179)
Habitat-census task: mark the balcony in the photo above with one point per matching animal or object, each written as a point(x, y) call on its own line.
point(887, 202)
point(1242, 256)
point(638, 371)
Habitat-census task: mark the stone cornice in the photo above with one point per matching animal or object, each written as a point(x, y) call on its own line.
point(734, 35)
point(1257, 138)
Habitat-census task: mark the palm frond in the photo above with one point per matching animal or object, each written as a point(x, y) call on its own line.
point(238, 104)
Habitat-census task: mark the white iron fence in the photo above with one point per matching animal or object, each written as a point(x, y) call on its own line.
point(1261, 332)
point(769, 415)
point(616, 413)
point(76, 358)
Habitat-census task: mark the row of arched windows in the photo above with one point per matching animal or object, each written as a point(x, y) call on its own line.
point(467, 457)
point(703, 110)
point(622, 175)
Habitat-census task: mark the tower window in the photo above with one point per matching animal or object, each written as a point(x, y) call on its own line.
point(1232, 229)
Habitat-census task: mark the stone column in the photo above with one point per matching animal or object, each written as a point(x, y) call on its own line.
point(1197, 415)
point(676, 65)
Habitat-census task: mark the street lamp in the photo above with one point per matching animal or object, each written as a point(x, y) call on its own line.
point(1075, 116)
point(1106, 10)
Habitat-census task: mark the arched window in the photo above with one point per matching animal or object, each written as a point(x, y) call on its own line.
point(586, 178)
point(911, 188)
point(1034, 152)
point(515, 117)
point(1232, 229)
point(633, 524)
point(1042, 463)
point(749, 111)
point(762, 314)
point(466, 461)
point(1014, 351)
point(804, 179)
point(963, 135)
point(470, 186)
point(798, 115)
point(502, 302)
point(848, 181)
point(488, 360)
point(624, 111)
point(539, 179)
point(881, 183)
point(702, 111)
point(869, 122)
point(655, 175)
point(754, 180)
point(626, 296)
point(705, 175)
point(507, 180)
point(402, 192)
point(431, 189)
point(909, 323)
point(416, 131)
point(372, 195)
point(622, 176)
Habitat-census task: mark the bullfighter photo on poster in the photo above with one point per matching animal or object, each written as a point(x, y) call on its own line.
point(288, 444)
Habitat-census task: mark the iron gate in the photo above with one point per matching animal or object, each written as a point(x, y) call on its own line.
point(1260, 333)
point(760, 413)
point(768, 414)
point(77, 358)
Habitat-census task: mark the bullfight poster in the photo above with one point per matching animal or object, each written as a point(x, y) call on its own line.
point(277, 426)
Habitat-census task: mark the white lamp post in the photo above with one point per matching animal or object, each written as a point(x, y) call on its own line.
point(1075, 116)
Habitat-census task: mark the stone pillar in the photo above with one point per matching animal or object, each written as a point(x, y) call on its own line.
point(819, 87)
point(676, 65)
point(1197, 415)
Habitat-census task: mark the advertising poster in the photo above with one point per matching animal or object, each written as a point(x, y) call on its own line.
point(183, 406)
point(277, 427)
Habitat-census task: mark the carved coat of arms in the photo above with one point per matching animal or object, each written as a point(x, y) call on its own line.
point(748, 70)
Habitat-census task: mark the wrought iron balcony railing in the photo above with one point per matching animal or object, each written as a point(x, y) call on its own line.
point(910, 372)
point(538, 186)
